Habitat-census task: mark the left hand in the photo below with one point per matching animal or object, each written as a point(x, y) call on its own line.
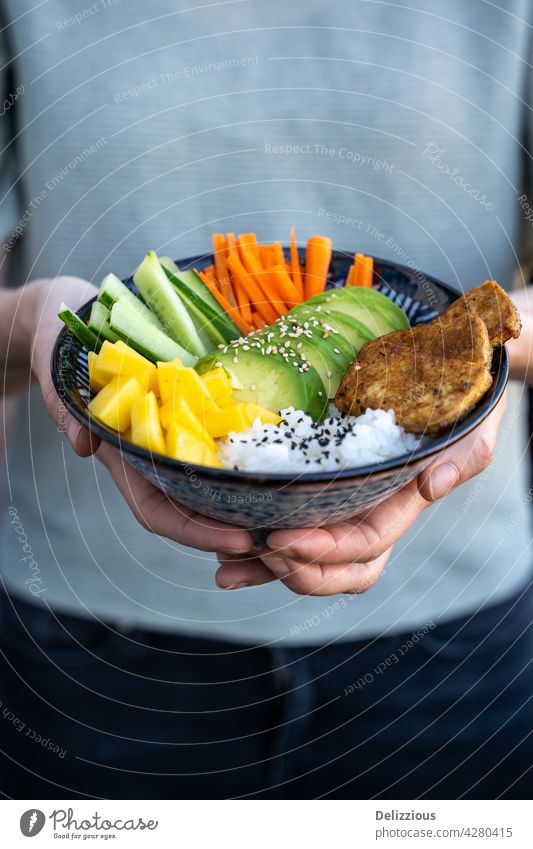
point(349, 556)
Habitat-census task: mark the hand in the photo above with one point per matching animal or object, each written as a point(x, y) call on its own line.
point(349, 556)
point(152, 508)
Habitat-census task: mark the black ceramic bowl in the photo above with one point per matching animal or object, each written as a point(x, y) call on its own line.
point(260, 500)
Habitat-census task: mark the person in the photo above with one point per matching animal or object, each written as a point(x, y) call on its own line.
point(149, 652)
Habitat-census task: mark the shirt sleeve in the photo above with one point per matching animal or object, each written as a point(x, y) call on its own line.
point(10, 94)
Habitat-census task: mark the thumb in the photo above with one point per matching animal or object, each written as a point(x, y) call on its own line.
point(467, 458)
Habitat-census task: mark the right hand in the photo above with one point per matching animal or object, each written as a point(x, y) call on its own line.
point(156, 511)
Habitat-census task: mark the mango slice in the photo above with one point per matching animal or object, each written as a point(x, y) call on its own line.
point(98, 376)
point(255, 411)
point(185, 446)
point(113, 403)
point(146, 429)
point(227, 419)
point(174, 381)
point(179, 412)
point(120, 360)
point(219, 386)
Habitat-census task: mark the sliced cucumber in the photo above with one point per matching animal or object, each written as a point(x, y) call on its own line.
point(99, 322)
point(112, 290)
point(219, 327)
point(162, 297)
point(79, 329)
point(169, 263)
point(146, 339)
point(192, 281)
point(205, 338)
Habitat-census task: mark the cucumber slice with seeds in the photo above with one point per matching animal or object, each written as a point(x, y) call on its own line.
point(99, 322)
point(79, 329)
point(112, 290)
point(162, 297)
point(146, 339)
point(220, 329)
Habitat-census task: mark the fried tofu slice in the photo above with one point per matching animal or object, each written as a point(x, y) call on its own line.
point(491, 303)
point(430, 375)
point(467, 339)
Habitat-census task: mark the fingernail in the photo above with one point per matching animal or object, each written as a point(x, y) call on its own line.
point(442, 480)
point(279, 566)
point(237, 586)
point(237, 549)
point(287, 550)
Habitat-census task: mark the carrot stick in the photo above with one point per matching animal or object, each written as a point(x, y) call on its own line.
point(317, 260)
point(350, 279)
point(209, 272)
point(365, 273)
point(254, 267)
point(240, 294)
point(219, 253)
point(357, 262)
point(280, 282)
point(242, 301)
point(279, 256)
point(257, 321)
point(296, 271)
point(223, 278)
point(233, 313)
point(364, 270)
point(247, 282)
point(249, 240)
point(266, 255)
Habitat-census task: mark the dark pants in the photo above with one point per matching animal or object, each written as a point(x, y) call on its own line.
point(88, 711)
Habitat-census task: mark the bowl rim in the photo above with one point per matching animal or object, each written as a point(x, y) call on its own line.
point(436, 446)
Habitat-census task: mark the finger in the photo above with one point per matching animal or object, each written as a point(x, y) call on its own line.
point(82, 440)
point(239, 572)
point(361, 539)
point(468, 457)
point(326, 579)
point(160, 514)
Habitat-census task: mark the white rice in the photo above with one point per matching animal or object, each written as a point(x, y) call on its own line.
point(298, 444)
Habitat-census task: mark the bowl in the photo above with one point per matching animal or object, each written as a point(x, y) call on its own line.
point(259, 500)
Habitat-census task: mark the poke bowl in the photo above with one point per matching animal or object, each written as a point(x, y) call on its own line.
point(264, 498)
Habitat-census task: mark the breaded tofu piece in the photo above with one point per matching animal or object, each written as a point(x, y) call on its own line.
point(494, 306)
point(431, 375)
point(467, 338)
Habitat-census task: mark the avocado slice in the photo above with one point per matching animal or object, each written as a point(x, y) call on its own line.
point(336, 339)
point(362, 303)
point(311, 345)
point(342, 329)
point(269, 379)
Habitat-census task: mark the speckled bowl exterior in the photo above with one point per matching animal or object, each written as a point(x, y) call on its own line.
point(261, 501)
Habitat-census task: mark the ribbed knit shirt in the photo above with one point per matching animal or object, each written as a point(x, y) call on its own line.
point(397, 130)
